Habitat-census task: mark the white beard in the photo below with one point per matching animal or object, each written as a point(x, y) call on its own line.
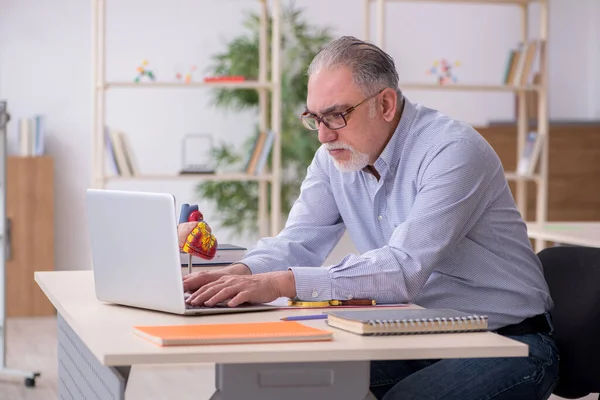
point(356, 162)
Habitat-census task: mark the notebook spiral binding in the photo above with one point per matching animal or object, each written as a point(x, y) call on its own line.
point(472, 323)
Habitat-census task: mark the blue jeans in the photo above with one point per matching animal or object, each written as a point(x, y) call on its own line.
point(528, 378)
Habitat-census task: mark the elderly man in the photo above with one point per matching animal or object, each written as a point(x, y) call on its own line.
point(425, 200)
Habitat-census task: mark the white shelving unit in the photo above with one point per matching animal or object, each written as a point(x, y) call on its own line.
point(264, 85)
point(541, 177)
point(29, 376)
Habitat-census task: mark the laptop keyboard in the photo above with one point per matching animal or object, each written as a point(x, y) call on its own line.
point(192, 307)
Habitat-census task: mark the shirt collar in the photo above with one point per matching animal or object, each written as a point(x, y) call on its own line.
point(389, 158)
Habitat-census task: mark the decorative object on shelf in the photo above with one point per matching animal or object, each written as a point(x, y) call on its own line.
point(188, 77)
point(226, 78)
point(197, 144)
point(444, 71)
point(142, 72)
point(301, 41)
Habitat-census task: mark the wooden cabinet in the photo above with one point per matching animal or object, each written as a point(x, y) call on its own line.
point(574, 168)
point(30, 214)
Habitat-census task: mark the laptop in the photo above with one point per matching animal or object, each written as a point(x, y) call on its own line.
point(135, 253)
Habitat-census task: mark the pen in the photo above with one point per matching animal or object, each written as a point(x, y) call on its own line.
point(304, 317)
point(329, 303)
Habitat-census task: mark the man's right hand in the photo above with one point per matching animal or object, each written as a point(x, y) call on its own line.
point(196, 280)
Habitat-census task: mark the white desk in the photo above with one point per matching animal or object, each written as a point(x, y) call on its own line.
point(574, 233)
point(97, 349)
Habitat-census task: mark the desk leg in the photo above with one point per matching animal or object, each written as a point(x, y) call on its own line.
point(293, 381)
point(80, 374)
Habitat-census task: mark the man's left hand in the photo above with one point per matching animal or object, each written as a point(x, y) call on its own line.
point(238, 289)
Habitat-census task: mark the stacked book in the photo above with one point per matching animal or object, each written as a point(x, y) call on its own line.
point(226, 254)
point(261, 147)
point(31, 136)
point(120, 153)
point(523, 62)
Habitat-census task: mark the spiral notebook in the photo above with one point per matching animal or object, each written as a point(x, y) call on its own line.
point(406, 322)
point(231, 333)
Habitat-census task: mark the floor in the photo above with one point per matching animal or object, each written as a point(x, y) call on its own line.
point(31, 346)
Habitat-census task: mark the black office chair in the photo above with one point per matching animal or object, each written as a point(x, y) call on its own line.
point(573, 275)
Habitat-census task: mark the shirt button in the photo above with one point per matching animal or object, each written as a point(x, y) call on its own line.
point(380, 218)
point(349, 297)
point(315, 293)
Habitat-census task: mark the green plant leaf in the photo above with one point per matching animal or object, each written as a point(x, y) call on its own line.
point(238, 201)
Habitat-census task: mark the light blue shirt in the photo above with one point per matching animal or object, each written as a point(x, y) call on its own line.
point(439, 229)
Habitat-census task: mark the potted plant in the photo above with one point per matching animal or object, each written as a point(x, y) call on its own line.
point(238, 201)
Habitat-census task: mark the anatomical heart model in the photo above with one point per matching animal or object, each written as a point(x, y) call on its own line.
point(200, 242)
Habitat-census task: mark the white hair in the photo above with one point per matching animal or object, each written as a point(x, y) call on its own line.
point(372, 68)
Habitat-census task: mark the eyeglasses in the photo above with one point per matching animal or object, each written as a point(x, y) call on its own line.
point(333, 121)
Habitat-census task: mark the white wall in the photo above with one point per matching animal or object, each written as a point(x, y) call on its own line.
point(45, 57)
point(572, 70)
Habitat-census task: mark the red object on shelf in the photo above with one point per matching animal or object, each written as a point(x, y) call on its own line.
point(225, 78)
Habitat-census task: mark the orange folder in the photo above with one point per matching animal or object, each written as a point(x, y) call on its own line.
point(235, 333)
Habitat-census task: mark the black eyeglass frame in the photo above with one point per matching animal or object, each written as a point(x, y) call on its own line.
point(305, 115)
